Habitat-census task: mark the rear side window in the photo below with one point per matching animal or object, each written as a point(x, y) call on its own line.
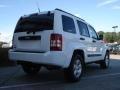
point(83, 29)
point(35, 23)
point(68, 24)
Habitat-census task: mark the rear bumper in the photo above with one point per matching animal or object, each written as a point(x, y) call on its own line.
point(48, 58)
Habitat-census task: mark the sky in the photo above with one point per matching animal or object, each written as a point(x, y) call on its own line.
point(101, 14)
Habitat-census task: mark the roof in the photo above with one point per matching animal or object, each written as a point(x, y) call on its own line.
point(69, 13)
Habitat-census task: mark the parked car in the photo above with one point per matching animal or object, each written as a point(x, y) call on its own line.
point(57, 39)
point(115, 49)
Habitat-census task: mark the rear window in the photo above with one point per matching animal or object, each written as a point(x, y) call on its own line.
point(35, 23)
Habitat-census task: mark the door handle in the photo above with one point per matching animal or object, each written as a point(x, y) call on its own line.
point(93, 41)
point(82, 38)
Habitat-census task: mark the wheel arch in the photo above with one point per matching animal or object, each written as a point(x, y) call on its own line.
point(108, 51)
point(81, 53)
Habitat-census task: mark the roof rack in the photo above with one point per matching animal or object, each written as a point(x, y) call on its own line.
point(68, 13)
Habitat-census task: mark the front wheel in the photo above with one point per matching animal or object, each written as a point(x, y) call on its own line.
point(105, 63)
point(75, 70)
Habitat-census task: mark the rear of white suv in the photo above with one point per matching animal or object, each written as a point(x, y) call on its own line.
point(36, 40)
point(52, 39)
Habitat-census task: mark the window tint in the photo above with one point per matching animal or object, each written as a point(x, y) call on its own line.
point(93, 33)
point(68, 24)
point(83, 29)
point(35, 23)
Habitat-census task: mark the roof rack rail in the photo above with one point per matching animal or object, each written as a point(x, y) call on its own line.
point(68, 13)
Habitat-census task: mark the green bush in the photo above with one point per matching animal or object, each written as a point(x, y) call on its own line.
point(4, 60)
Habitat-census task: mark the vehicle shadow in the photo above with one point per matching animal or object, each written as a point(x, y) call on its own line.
point(48, 76)
point(43, 76)
point(94, 69)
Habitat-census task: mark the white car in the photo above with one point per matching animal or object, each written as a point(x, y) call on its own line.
point(57, 39)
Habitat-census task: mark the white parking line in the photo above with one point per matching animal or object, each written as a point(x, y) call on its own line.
point(100, 76)
point(31, 84)
point(54, 82)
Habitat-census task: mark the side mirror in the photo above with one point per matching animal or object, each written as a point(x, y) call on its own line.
point(101, 37)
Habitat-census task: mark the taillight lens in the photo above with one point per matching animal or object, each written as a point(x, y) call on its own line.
point(13, 43)
point(56, 42)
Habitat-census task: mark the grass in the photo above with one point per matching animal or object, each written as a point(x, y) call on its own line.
point(4, 60)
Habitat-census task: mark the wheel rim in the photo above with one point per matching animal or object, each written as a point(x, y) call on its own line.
point(77, 68)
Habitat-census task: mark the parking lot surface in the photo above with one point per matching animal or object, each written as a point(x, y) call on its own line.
point(13, 78)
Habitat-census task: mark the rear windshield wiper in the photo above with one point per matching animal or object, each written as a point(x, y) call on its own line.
point(34, 31)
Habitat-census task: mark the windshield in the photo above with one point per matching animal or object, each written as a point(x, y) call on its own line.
point(35, 23)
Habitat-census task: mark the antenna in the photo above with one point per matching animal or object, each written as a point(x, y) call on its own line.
point(37, 4)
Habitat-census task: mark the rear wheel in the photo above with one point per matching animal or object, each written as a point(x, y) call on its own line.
point(31, 69)
point(105, 63)
point(75, 70)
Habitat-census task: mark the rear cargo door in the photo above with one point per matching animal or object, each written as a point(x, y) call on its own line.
point(32, 34)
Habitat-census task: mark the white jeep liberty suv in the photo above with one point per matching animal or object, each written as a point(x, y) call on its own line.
point(57, 39)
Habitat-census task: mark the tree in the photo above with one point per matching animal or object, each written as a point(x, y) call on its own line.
point(100, 33)
point(118, 37)
point(110, 37)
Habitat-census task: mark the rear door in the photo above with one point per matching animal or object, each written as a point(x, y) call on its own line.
point(33, 33)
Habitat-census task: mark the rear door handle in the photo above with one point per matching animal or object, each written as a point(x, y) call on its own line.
point(82, 38)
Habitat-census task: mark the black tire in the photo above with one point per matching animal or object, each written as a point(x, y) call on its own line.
point(30, 69)
point(75, 70)
point(104, 64)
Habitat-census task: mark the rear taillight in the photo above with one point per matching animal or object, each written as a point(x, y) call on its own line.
point(56, 42)
point(13, 43)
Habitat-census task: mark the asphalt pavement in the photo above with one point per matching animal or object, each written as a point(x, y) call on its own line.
point(13, 78)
